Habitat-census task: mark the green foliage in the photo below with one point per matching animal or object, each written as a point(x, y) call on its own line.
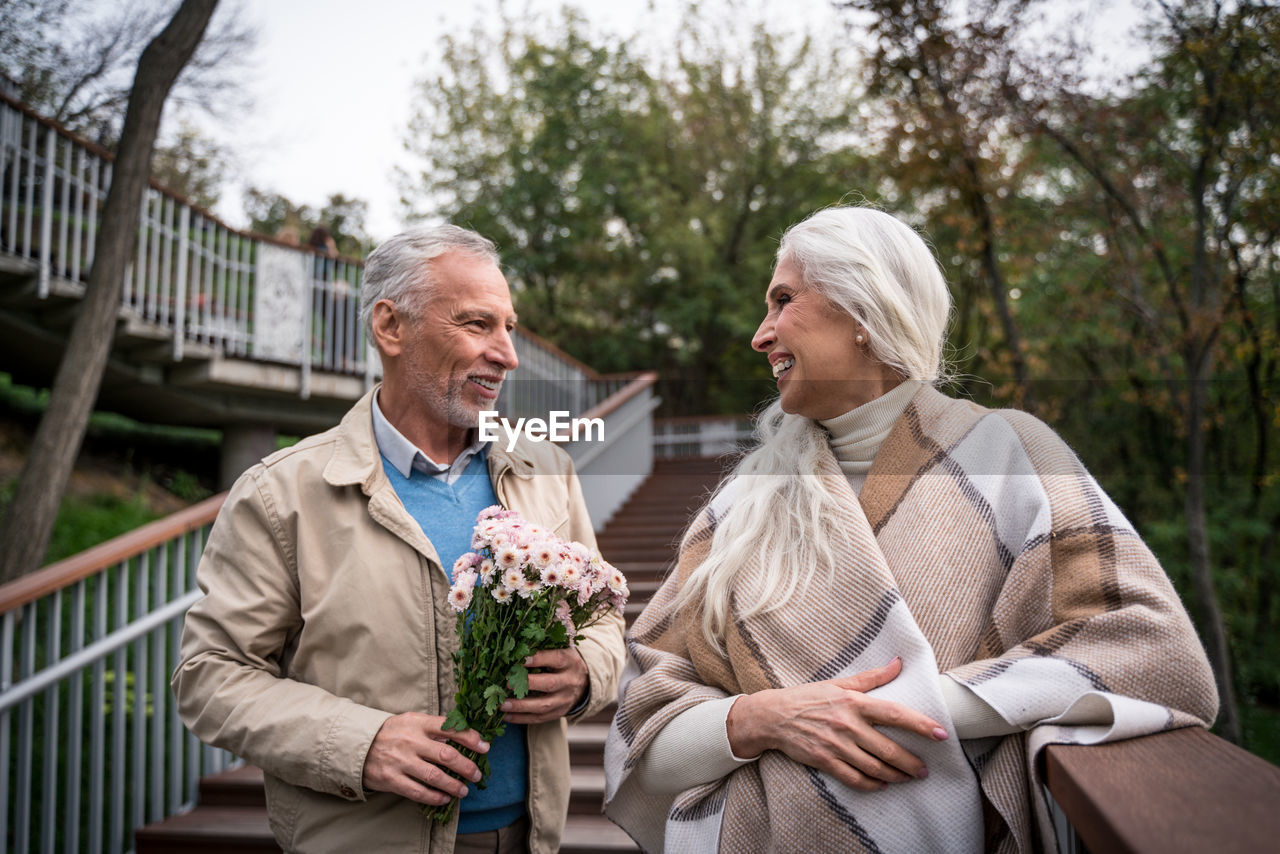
point(86, 521)
point(637, 200)
point(343, 217)
point(192, 165)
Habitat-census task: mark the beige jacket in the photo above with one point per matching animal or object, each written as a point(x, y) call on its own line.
point(325, 613)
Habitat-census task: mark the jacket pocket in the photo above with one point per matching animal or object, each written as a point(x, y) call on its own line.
point(283, 801)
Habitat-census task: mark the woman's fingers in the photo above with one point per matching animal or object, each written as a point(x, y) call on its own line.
point(889, 713)
point(868, 680)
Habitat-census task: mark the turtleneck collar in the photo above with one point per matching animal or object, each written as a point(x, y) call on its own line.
point(856, 435)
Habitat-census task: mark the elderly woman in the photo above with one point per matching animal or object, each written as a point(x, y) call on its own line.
point(894, 601)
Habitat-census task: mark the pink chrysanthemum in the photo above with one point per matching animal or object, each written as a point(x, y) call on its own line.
point(486, 569)
point(465, 562)
point(512, 579)
point(500, 593)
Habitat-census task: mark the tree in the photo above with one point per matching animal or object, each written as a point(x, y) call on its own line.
point(28, 522)
point(343, 216)
point(938, 70)
point(637, 199)
point(74, 59)
point(192, 165)
point(1180, 170)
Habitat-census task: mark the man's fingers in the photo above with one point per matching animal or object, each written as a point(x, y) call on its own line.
point(437, 753)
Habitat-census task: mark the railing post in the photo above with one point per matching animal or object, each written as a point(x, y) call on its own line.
point(304, 390)
point(46, 212)
point(180, 289)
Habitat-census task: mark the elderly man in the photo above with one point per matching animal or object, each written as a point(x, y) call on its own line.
point(322, 648)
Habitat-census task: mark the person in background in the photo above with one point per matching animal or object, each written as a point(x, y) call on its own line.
point(322, 648)
point(895, 600)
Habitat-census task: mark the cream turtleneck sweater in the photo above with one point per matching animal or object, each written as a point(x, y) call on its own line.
point(694, 747)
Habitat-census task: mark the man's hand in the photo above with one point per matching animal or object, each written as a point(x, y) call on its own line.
point(554, 691)
point(409, 756)
point(831, 726)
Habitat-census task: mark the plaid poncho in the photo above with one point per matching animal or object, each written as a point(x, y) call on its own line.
point(980, 548)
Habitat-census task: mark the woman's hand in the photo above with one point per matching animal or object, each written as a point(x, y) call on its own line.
point(830, 726)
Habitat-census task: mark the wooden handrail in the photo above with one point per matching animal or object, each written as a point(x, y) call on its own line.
point(68, 571)
point(612, 403)
point(1179, 791)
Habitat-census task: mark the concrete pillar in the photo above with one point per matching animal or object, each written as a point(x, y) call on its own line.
point(242, 446)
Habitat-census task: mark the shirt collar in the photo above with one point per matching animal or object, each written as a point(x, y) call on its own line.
point(406, 456)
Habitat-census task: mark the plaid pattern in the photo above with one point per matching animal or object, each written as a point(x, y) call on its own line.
point(980, 548)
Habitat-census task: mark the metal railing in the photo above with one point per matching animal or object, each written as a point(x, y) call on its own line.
point(701, 435)
point(208, 288)
point(91, 747)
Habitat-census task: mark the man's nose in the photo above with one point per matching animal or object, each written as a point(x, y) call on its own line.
point(503, 351)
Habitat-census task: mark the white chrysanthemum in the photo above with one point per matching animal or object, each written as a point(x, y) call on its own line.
point(551, 575)
point(616, 580)
point(529, 586)
point(507, 558)
point(487, 568)
point(460, 598)
point(570, 575)
point(500, 593)
point(512, 579)
point(542, 553)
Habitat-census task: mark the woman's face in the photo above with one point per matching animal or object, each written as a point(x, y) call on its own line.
point(821, 370)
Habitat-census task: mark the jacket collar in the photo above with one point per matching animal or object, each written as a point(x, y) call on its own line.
point(355, 458)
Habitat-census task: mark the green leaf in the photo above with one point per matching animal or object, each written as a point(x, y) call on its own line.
point(455, 720)
point(518, 677)
point(494, 696)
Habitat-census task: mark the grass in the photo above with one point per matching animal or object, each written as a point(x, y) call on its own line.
point(85, 521)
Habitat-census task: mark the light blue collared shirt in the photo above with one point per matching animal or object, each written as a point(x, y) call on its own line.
point(406, 456)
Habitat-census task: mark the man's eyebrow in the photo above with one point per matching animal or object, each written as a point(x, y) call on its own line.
point(484, 314)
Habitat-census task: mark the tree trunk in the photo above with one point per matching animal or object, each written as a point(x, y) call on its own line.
point(1211, 623)
point(28, 524)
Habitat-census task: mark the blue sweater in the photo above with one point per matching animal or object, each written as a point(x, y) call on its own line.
point(447, 513)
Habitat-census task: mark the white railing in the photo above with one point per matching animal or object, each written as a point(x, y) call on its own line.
point(207, 288)
point(610, 467)
point(91, 747)
point(701, 435)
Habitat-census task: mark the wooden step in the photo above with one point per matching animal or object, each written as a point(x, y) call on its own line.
point(594, 834)
point(587, 790)
point(239, 787)
point(211, 829)
point(586, 743)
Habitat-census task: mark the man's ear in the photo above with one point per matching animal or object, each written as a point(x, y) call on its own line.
point(388, 328)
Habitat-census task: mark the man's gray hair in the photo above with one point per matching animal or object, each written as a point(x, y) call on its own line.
point(397, 270)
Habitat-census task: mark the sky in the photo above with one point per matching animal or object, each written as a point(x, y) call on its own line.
point(330, 85)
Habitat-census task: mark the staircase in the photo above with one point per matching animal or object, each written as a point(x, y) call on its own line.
point(641, 541)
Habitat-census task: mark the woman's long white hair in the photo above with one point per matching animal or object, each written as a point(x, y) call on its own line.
point(877, 269)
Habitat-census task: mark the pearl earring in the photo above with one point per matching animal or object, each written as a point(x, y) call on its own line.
point(860, 339)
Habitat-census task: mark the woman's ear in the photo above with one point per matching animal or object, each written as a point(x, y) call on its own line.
point(387, 326)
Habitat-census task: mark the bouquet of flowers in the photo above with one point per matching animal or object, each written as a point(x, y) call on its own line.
point(520, 590)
